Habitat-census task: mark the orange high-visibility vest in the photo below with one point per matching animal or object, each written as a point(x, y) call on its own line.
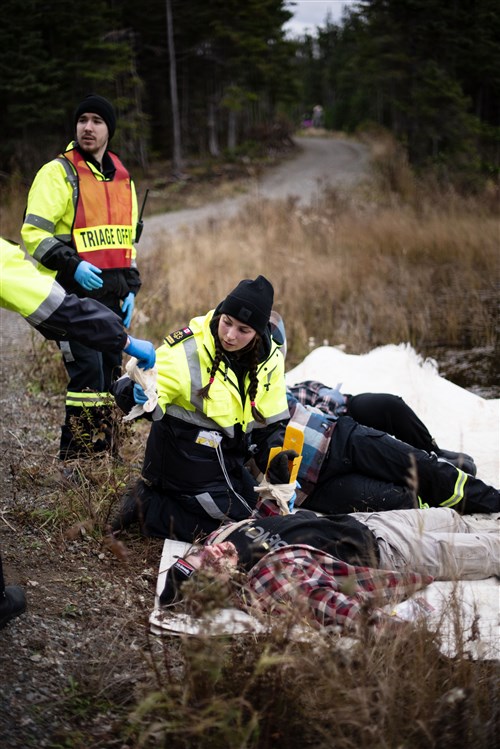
point(102, 229)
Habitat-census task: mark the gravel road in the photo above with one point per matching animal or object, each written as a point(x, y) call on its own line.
point(321, 162)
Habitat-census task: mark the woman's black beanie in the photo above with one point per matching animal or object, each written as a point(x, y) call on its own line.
point(251, 303)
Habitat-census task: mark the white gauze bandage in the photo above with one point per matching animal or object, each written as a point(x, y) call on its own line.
point(146, 378)
point(280, 493)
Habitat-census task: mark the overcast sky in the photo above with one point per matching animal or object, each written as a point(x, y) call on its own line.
point(308, 14)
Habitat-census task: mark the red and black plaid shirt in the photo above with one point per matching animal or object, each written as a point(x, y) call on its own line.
point(326, 590)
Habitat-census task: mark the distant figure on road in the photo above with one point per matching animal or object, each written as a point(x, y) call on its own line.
point(318, 116)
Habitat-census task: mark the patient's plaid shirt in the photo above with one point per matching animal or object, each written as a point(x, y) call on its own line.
point(318, 429)
point(326, 399)
point(302, 579)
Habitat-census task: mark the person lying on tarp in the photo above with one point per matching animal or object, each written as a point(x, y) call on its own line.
point(332, 568)
point(348, 466)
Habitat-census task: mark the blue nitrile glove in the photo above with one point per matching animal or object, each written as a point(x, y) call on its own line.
point(128, 308)
point(140, 396)
point(291, 501)
point(87, 275)
point(144, 352)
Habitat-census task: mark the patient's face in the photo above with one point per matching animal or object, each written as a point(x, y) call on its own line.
point(219, 558)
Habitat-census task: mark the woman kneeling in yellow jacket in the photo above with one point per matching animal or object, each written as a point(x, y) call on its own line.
point(221, 398)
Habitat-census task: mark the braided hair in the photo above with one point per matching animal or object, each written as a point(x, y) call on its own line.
point(253, 350)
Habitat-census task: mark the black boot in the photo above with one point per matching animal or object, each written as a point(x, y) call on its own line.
point(12, 604)
point(460, 460)
point(131, 509)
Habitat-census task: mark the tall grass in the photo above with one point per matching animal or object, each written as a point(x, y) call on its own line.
point(273, 691)
point(362, 269)
point(401, 258)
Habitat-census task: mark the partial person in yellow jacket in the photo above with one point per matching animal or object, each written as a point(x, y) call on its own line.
point(59, 316)
point(45, 305)
point(221, 398)
point(80, 225)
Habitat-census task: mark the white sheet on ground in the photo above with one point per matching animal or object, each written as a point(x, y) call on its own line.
point(458, 420)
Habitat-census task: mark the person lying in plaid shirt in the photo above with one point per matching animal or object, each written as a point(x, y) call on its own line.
point(325, 590)
point(298, 578)
point(338, 569)
point(295, 577)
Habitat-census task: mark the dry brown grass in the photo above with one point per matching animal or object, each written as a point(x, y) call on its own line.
point(361, 269)
point(399, 259)
point(272, 691)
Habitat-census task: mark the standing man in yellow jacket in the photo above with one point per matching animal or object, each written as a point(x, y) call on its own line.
point(80, 224)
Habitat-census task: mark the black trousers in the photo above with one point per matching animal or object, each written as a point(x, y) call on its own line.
point(390, 414)
point(367, 469)
point(164, 514)
point(89, 372)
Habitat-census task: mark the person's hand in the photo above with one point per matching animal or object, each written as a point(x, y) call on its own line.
point(336, 396)
point(87, 275)
point(140, 396)
point(333, 395)
point(144, 352)
point(278, 471)
point(127, 308)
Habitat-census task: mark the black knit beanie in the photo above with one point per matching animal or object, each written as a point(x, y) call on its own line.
point(98, 105)
point(251, 303)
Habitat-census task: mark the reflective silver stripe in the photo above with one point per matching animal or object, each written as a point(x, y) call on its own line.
point(209, 506)
point(40, 222)
point(193, 359)
point(458, 490)
point(157, 414)
point(71, 177)
point(48, 306)
point(45, 245)
point(66, 351)
point(269, 420)
point(199, 419)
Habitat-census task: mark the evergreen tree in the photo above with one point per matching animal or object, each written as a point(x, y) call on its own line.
point(428, 71)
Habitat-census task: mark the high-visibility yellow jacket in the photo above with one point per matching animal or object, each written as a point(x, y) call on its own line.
point(46, 306)
point(192, 437)
point(49, 224)
point(184, 363)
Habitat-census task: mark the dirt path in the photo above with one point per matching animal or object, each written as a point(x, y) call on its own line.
point(71, 665)
point(321, 162)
